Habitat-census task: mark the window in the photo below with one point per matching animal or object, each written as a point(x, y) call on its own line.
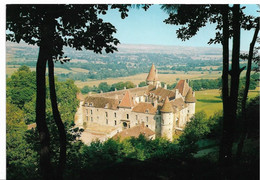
point(127, 116)
point(106, 121)
point(87, 118)
point(87, 111)
point(146, 125)
point(146, 118)
point(97, 109)
point(115, 122)
point(91, 119)
point(91, 112)
point(106, 114)
point(136, 117)
point(115, 114)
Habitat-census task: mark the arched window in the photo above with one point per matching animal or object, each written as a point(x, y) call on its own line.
point(127, 116)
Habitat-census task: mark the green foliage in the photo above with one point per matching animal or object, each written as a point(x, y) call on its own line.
point(21, 86)
point(21, 159)
point(195, 130)
point(205, 84)
point(103, 86)
point(142, 84)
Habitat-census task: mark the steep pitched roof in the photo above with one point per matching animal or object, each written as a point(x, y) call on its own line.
point(163, 93)
point(178, 103)
point(134, 132)
point(183, 87)
point(189, 97)
point(102, 102)
point(143, 107)
point(127, 100)
point(167, 107)
point(152, 74)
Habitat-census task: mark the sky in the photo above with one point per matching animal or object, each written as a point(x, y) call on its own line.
point(147, 27)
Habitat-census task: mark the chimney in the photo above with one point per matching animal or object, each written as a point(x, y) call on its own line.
point(90, 93)
point(101, 91)
point(165, 86)
point(193, 93)
point(137, 85)
point(124, 88)
point(115, 89)
point(157, 85)
point(177, 93)
point(155, 103)
point(142, 124)
point(187, 81)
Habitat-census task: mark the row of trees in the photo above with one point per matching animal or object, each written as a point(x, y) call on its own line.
point(197, 85)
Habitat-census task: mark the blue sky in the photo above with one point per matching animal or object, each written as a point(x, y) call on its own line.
point(142, 27)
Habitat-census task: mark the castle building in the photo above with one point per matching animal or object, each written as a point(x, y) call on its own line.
point(150, 108)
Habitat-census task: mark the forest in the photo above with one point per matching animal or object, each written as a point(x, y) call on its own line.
point(223, 146)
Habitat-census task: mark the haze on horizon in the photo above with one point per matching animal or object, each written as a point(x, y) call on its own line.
point(147, 27)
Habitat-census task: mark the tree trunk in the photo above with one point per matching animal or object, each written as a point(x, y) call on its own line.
point(225, 85)
point(45, 164)
point(235, 73)
point(247, 83)
point(58, 121)
point(45, 51)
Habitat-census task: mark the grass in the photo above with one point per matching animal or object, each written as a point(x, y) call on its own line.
point(208, 101)
point(211, 102)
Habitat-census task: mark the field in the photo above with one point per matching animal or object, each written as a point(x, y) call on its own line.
point(167, 78)
point(210, 101)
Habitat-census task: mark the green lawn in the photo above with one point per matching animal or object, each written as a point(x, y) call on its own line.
point(210, 101)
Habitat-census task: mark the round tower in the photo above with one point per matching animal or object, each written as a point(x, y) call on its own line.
point(190, 100)
point(167, 120)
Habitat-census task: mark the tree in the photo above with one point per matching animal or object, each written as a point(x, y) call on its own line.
point(247, 86)
point(229, 20)
point(103, 86)
point(51, 27)
point(21, 159)
point(195, 130)
point(21, 86)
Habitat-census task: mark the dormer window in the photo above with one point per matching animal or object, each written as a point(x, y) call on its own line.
point(147, 111)
point(91, 104)
point(106, 106)
point(86, 104)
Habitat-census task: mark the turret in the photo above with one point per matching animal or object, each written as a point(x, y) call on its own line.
point(152, 78)
point(190, 100)
point(167, 119)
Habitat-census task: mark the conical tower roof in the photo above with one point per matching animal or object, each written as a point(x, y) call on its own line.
point(189, 97)
point(167, 107)
point(127, 101)
point(152, 74)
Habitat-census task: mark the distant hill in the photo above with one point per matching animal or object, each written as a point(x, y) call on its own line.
point(15, 50)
